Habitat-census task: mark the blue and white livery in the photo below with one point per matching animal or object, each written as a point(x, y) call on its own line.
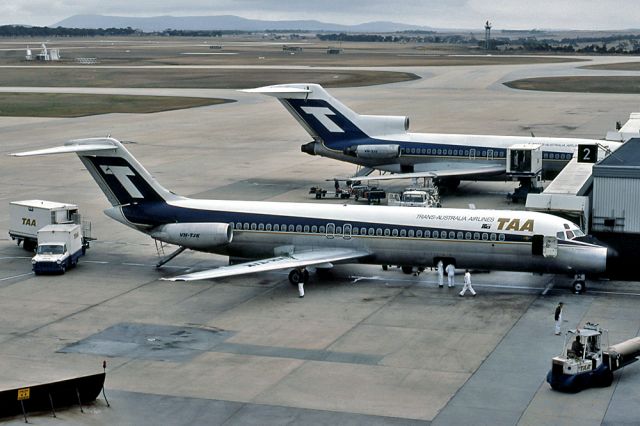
point(383, 142)
point(297, 235)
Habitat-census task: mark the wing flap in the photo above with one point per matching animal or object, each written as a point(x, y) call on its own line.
point(306, 258)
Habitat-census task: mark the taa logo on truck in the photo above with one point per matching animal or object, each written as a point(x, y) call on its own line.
point(28, 222)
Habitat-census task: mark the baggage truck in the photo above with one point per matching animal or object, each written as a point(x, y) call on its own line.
point(59, 248)
point(28, 216)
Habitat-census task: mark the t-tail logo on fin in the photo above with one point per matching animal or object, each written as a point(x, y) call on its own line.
point(322, 115)
point(123, 173)
point(121, 181)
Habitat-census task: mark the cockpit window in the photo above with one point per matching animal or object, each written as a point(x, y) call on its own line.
point(578, 232)
point(570, 235)
point(560, 235)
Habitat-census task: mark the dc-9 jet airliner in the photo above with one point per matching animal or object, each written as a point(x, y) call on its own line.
point(278, 235)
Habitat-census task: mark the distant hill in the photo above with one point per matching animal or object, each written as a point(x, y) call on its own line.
point(224, 23)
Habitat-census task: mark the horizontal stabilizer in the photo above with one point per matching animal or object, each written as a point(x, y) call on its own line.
point(80, 145)
point(296, 260)
point(277, 90)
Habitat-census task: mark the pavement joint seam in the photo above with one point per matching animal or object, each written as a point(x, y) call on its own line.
point(617, 378)
point(303, 362)
point(524, 311)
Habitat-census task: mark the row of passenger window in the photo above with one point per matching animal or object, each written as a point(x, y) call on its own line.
point(454, 152)
point(349, 230)
point(483, 153)
point(555, 156)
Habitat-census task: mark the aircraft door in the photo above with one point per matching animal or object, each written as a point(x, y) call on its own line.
point(331, 230)
point(347, 232)
point(544, 246)
point(489, 154)
point(472, 154)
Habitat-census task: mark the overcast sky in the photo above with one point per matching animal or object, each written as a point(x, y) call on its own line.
point(505, 14)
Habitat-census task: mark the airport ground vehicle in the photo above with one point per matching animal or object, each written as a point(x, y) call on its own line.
point(421, 197)
point(371, 194)
point(59, 248)
point(584, 363)
point(28, 216)
point(320, 193)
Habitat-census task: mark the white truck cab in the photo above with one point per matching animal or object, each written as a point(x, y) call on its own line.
point(59, 248)
point(424, 197)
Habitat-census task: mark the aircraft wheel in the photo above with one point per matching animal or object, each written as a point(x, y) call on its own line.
point(295, 276)
point(407, 269)
point(579, 286)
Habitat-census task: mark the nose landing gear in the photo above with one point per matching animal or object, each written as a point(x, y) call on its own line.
point(579, 285)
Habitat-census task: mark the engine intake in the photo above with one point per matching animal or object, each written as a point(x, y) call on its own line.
point(194, 235)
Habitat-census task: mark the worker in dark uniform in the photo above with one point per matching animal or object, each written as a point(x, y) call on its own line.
point(558, 317)
point(577, 347)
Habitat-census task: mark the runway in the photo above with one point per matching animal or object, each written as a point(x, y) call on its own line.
point(364, 346)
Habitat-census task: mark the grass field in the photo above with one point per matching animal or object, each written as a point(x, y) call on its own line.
point(190, 77)
point(256, 51)
point(74, 105)
point(621, 66)
point(581, 84)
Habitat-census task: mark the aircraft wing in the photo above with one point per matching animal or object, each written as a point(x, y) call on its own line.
point(295, 260)
point(452, 172)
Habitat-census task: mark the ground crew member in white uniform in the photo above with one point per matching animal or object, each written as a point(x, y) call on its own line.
point(467, 285)
point(451, 272)
point(558, 317)
point(440, 274)
point(301, 289)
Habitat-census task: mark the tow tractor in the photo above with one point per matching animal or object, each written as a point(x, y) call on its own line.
point(584, 364)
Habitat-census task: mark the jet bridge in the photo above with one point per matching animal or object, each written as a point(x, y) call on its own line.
point(568, 194)
point(524, 163)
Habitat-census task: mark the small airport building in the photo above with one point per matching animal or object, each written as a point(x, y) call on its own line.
point(615, 205)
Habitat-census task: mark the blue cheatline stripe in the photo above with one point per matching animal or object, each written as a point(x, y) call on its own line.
point(352, 135)
point(155, 214)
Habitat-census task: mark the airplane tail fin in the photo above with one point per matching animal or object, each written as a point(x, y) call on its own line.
point(328, 120)
point(120, 176)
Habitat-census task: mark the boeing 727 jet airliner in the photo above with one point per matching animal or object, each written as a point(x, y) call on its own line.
point(297, 235)
point(383, 143)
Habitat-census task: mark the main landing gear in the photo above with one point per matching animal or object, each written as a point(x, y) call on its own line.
point(579, 285)
point(298, 275)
